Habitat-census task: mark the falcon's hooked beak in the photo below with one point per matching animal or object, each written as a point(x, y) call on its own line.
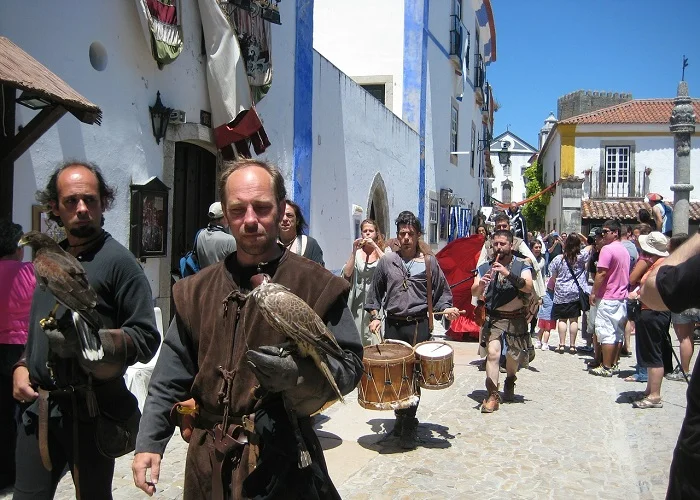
point(22, 242)
point(259, 279)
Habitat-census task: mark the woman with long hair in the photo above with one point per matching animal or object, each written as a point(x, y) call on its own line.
point(569, 272)
point(359, 270)
point(292, 235)
point(537, 269)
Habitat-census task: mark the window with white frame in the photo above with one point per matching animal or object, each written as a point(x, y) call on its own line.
point(506, 169)
point(473, 149)
point(454, 130)
point(433, 220)
point(617, 171)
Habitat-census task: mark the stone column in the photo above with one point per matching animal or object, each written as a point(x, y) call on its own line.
point(571, 196)
point(682, 128)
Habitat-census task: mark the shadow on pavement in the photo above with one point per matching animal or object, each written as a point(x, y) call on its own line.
point(627, 397)
point(480, 395)
point(429, 435)
point(328, 440)
point(319, 420)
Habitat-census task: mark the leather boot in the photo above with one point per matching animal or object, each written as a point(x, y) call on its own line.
point(398, 424)
point(509, 389)
point(492, 402)
point(408, 433)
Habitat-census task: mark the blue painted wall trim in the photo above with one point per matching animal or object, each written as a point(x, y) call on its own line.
point(423, 112)
point(415, 74)
point(438, 44)
point(303, 99)
point(444, 51)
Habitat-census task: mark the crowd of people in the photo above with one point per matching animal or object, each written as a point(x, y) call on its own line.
point(241, 397)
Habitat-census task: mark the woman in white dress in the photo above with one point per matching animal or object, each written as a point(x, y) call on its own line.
point(359, 270)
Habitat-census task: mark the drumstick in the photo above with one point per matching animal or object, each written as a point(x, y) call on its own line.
point(461, 312)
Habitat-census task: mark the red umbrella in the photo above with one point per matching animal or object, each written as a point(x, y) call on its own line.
point(458, 261)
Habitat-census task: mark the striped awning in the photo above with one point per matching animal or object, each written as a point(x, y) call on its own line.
point(487, 28)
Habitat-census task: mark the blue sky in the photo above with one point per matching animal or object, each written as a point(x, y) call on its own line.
point(548, 48)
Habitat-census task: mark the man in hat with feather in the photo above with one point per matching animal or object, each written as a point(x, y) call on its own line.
point(76, 409)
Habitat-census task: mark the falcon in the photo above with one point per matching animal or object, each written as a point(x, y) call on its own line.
point(62, 274)
point(293, 318)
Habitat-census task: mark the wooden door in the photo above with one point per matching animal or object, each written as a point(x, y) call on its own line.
point(193, 191)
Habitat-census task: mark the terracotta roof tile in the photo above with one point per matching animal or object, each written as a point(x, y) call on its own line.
point(625, 210)
point(635, 111)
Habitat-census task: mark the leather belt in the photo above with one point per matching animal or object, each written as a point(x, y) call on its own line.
point(518, 313)
point(407, 319)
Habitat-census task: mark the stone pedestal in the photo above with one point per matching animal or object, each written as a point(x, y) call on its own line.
point(571, 196)
point(682, 128)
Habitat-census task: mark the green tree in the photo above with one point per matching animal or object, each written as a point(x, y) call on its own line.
point(534, 210)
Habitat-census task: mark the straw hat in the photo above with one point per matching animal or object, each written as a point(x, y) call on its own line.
point(654, 243)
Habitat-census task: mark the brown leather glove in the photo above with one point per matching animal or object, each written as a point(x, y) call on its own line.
point(302, 383)
point(120, 353)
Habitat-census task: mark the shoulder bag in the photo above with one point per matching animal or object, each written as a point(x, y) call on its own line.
point(584, 298)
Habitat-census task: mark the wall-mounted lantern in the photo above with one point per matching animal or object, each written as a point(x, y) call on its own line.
point(160, 116)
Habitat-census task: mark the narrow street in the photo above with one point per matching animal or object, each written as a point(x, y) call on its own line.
point(568, 435)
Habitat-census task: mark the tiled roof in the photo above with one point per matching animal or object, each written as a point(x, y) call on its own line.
point(625, 210)
point(635, 111)
point(20, 70)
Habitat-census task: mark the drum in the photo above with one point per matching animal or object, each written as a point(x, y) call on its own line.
point(436, 364)
point(388, 379)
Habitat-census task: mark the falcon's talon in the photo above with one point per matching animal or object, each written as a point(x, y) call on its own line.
point(49, 323)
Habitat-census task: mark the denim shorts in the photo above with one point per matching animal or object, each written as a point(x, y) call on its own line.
point(686, 317)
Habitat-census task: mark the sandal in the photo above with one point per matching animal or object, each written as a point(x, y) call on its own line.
point(645, 403)
point(635, 378)
point(572, 350)
point(561, 348)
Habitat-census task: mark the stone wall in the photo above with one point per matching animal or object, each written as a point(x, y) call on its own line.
point(585, 101)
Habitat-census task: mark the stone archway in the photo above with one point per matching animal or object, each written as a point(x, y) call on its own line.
point(378, 205)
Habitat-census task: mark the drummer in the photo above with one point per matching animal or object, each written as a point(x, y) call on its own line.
point(506, 282)
point(399, 286)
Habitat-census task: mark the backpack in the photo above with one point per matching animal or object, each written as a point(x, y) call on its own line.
point(189, 263)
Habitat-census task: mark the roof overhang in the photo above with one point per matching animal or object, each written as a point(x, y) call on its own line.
point(20, 71)
point(487, 28)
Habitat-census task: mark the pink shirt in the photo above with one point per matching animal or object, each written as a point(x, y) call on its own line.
point(17, 284)
point(615, 258)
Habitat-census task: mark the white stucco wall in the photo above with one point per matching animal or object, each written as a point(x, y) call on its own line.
point(549, 159)
point(59, 34)
point(355, 138)
point(655, 152)
point(363, 38)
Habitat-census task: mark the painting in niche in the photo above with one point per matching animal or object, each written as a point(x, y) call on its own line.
point(42, 223)
point(153, 229)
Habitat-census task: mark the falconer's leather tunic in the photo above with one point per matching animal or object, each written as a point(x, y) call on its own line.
point(217, 324)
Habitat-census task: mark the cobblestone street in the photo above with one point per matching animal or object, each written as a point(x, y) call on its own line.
point(568, 435)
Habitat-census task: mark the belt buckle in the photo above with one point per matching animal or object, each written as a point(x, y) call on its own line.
point(409, 318)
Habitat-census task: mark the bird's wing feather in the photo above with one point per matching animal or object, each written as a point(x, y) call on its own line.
point(65, 278)
point(292, 317)
point(90, 343)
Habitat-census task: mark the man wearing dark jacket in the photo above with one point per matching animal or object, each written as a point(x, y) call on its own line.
point(242, 442)
point(64, 396)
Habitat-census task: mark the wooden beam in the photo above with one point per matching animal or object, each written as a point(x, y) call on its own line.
point(7, 132)
point(16, 146)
